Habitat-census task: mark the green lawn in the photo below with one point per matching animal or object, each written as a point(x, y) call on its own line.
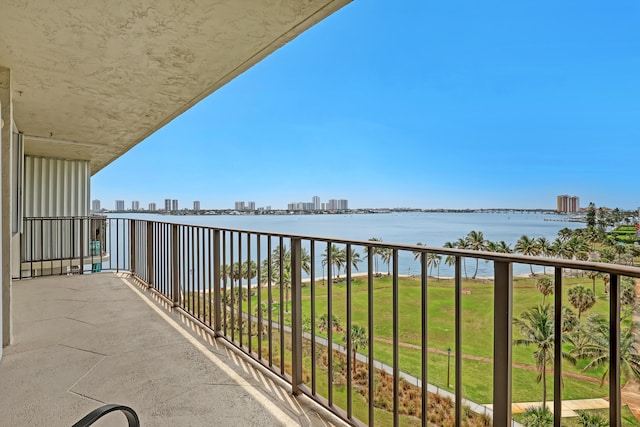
point(477, 330)
point(477, 334)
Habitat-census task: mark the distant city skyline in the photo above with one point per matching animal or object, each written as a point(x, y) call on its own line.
point(564, 204)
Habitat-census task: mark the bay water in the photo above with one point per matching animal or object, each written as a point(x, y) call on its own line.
point(431, 229)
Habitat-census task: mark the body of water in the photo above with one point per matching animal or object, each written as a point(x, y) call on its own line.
point(432, 229)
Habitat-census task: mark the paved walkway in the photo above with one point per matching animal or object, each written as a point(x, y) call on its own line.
point(569, 407)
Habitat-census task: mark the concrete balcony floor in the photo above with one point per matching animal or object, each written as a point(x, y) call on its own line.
point(83, 341)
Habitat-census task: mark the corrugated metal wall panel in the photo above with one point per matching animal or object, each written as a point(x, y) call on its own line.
point(55, 187)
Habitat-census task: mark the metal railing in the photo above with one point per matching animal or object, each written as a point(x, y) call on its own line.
point(65, 245)
point(275, 297)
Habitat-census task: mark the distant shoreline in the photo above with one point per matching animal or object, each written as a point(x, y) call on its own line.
point(185, 212)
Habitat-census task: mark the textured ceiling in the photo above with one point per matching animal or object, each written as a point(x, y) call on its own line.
point(91, 79)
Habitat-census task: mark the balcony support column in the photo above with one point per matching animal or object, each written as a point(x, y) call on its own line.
point(502, 358)
point(6, 113)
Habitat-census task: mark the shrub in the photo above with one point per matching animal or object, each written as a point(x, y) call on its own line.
point(538, 416)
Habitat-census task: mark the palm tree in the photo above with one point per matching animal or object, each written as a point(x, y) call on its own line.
point(527, 246)
point(565, 234)
point(559, 248)
point(433, 260)
point(597, 349)
point(323, 322)
point(536, 326)
point(335, 323)
point(338, 259)
point(545, 286)
point(476, 242)
point(500, 247)
point(375, 251)
point(463, 244)
point(355, 258)
point(504, 247)
point(232, 272)
point(416, 254)
point(285, 275)
point(386, 254)
point(450, 260)
point(249, 270)
point(576, 245)
point(581, 298)
point(593, 275)
point(544, 249)
point(593, 235)
point(358, 341)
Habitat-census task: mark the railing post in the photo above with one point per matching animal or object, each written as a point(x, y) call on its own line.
point(132, 246)
point(502, 321)
point(81, 220)
point(458, 340)
point(175, 265)
point(296, 316)
point(615, 418)
point(217, 278)
point(150, 260)
point(557, 349)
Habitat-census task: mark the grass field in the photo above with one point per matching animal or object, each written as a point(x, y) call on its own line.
point(477, 338)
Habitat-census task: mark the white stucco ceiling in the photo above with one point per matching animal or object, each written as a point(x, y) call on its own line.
point(91, 78)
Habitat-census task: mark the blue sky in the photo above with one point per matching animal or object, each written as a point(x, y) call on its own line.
point(456, 104)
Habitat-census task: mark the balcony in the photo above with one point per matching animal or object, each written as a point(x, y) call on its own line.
point(85, 340)
point(271, 299)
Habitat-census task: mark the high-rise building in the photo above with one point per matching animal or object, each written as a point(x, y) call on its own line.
point(574, 204)
point(563, 203)
point(174, 205)
point(95, 206)
point(152, 207)
point(135, 205)
point(119, 205)
point(196, 206)
point(251, 206)
point(239, 206)
point(167, 204)
point(337, 205)
point(568, 204)
point(267, 208)
point(316, 203)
